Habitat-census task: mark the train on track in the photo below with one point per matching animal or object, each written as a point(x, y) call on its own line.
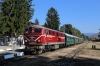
point(39, 39)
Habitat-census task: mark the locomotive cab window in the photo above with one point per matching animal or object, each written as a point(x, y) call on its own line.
point(37, 30)
point(26, 30)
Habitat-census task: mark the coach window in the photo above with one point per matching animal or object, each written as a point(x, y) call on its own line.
point(49, 32)
point(61, 34)
point(71, 39)
point(53, 33)
point(67, 39)
point(57, 33)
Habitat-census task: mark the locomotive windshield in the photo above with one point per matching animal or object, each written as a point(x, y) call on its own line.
point(37, 30)
point(33, 30)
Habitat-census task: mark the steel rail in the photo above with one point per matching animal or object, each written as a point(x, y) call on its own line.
point(67, 60)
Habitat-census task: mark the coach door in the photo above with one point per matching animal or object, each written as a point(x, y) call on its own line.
point(58, 38)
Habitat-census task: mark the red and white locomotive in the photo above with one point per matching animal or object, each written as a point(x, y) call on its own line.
point(39, 39)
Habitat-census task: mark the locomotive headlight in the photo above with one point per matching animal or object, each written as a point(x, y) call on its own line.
point(39, 40)
point(25, 40)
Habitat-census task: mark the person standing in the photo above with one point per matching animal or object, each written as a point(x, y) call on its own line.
point(21, 40)
point(18, 40)
point(13, 41)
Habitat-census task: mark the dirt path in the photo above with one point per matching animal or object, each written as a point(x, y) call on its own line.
point(89, 56)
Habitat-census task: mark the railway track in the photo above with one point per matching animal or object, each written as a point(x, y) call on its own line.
point(67, 60)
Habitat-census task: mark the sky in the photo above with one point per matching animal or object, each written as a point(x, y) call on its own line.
point(82, 14)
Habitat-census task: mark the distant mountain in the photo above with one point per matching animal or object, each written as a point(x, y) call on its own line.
point(91, 35)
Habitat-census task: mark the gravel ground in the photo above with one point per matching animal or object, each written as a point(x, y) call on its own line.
point(46, 59)
point(89, 51)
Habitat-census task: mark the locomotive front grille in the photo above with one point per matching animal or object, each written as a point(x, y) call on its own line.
point(31, 39)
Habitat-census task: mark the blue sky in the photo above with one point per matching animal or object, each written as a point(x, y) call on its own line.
point(82, 14)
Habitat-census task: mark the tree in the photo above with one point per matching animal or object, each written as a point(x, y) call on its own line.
point(52, 20)
point(84, 37)
point(36, 21)
point(16, 15)
point(45, 24)
point(99, 34)
point(68, 28)
point(62, 28)
point(0, 6)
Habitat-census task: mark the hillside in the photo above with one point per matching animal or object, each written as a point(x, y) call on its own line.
point(91, 35)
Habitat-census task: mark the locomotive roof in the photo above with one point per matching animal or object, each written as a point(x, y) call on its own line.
point(38, 26)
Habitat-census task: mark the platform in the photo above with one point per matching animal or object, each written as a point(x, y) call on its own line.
point(7, 52)
point(6, 48)
point(10, 54)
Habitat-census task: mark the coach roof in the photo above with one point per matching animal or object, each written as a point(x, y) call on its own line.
point(70, 35)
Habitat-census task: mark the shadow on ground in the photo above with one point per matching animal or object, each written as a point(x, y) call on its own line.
point(92, 48)
point(45, 61)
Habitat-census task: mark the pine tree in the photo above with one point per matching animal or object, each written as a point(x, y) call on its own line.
point(16, 15)
point(68, 29)
point(0, 6)
point(45, 24)
point(36, 21)
point(52, 20)
point(62, 28)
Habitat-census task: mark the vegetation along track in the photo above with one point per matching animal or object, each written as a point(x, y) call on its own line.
point(67, 60)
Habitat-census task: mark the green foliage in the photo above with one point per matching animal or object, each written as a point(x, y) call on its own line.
point(45, 24)
point(52, 20)
point(0, 7)
point(68, 28)
point(15, 16)
point(62, 28)
point(36, 21)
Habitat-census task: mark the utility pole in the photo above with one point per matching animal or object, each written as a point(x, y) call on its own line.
point(99, 34)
